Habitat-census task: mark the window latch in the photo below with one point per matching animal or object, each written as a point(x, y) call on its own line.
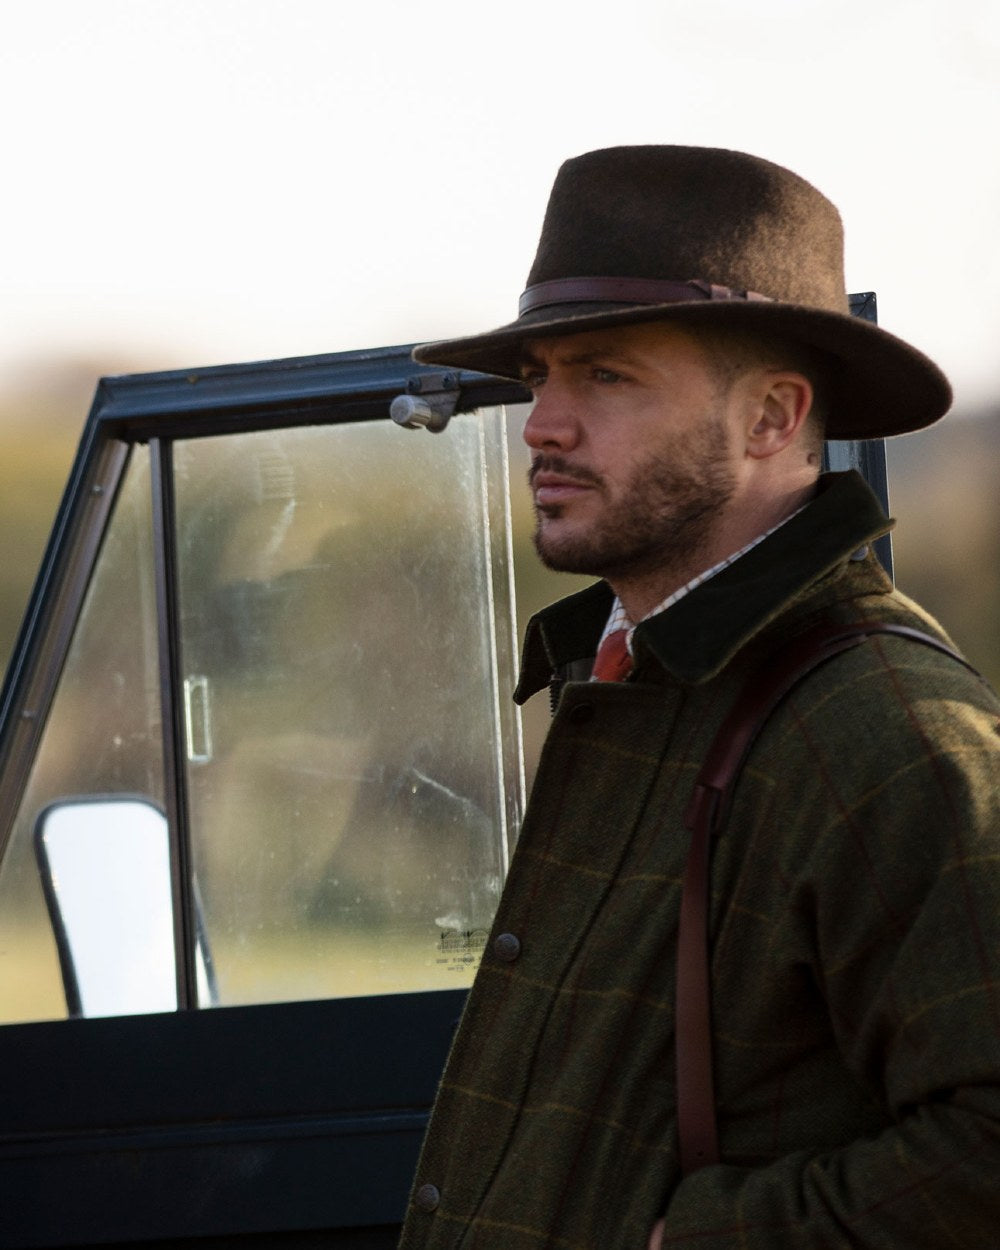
point(429, 402)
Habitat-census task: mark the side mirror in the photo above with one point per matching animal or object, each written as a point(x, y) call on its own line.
point(105, 869)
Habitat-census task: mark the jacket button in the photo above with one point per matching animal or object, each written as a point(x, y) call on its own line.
point(580, 713)
point(506, 947)
point(427, 1198)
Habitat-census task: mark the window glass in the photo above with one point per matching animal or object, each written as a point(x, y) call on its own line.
point(352, 755)
point(102, 737)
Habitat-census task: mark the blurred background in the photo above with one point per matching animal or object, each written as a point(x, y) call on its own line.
point(190, 183)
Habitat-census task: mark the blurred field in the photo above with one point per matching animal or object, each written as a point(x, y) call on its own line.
point(30, 984)
point(944, 490)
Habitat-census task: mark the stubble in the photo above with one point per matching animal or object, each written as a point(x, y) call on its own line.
point(659, 521)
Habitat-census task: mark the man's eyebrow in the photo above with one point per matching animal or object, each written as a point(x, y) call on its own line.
point(608, 355)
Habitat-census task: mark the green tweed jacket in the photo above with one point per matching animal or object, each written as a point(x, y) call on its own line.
point(855, 939)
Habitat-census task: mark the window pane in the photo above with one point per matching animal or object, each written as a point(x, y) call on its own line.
point(102, 737)
point(353, 768)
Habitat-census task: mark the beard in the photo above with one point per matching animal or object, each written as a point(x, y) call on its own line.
point(658, 521)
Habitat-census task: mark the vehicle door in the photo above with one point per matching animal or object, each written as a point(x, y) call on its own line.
point(260, 780)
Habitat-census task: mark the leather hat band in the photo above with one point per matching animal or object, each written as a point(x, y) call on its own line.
point(625, 291)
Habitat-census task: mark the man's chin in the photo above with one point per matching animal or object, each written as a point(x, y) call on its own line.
point(566, 553)
point(578, 553)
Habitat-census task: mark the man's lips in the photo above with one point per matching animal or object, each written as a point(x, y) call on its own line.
point(552, 488)
point(558, 483)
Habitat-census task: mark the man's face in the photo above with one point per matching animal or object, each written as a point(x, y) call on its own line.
point(632, 451)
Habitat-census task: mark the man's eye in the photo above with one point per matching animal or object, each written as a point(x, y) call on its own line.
point(533, 379)
point(607, 375)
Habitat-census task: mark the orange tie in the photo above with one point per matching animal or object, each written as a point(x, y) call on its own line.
point(613, 662)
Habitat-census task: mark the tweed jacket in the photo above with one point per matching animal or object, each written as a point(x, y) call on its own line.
point(855, 938)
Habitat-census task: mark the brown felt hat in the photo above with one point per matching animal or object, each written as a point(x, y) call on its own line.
point(707, 237)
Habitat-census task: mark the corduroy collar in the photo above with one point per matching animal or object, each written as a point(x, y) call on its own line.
point(698, 636)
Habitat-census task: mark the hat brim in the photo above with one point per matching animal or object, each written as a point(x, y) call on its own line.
point(885, 386)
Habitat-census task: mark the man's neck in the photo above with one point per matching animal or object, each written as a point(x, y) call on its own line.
point(643, 594)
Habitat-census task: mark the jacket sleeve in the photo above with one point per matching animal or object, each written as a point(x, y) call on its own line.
point(900, 893)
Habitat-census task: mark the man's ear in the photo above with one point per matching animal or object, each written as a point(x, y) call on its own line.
point(783, 401)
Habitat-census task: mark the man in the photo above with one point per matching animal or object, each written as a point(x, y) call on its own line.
point(686, 337)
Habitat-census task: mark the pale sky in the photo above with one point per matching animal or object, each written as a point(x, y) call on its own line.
point(190, 182)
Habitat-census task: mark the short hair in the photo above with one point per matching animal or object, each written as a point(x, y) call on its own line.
point(732, 353)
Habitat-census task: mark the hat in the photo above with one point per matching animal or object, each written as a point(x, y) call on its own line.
point(707, 237)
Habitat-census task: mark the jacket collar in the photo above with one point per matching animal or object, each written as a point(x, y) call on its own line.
point(698, 636)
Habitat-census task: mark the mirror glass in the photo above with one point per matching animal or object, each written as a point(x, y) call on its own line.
point(105, 867)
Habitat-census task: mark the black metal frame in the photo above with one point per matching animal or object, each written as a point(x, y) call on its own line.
point(52, 613)
point(226, 1122)
point(868, 455)
point(172, 718)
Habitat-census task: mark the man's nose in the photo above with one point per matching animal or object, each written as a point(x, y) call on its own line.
point(551, 423)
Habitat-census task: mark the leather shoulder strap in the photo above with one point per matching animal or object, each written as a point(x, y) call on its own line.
point(705, 816)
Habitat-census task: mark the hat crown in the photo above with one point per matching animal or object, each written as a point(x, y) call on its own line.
point(681, 213)
point(706, 239)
